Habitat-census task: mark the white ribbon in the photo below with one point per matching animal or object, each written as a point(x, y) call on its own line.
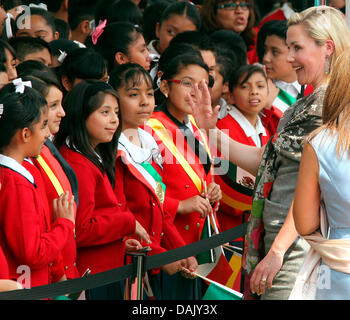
point(40, 6)
point(20, 85)
point(1, 110)
point(62, 56)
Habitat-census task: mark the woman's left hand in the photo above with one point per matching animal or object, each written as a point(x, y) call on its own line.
point(265, 272)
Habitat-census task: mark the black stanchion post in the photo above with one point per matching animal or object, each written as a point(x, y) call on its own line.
point(134, 284)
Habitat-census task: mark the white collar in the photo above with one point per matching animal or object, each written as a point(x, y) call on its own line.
point(293, 88)
point(152, 50)
point(148, 152)
point(224, 109)
point(287, 10)
point(72, 146)
point(15, 166)
point(247, 127)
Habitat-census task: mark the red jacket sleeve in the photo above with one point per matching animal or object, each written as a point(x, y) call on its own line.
point(23, 226)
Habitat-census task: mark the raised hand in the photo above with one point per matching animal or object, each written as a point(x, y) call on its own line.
point(203, 112)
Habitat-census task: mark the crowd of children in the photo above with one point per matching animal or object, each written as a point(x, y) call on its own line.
point(95, 112)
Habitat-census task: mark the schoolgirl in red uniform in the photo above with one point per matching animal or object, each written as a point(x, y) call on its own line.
point(57, 175)
point(249, 92)
point(27, 238)
point(186, 157)
point(88, 139)
point(139, 168)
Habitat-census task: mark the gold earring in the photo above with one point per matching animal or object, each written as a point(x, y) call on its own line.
point(166, 95)
point(326, 71)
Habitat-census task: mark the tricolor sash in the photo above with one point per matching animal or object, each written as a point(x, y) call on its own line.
point(145, 173)
point(282, 102)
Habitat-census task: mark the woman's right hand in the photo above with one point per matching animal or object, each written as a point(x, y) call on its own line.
point(195, 204)
point(142, 233)
point(63, 207)
point(205, 115)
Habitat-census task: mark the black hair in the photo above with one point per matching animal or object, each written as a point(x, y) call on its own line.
point(3, 46)
point(27, 45)
point(102, 9)
point(117, 37)
point(79, 104)
point(152, 15)
point(182, 8)
point(197, 39)
point(231, 44)
point(3, 68)
point(62, 27)
point(46, 15)
point(10, 4)
point(174, 49)
point(179, 62)
point(53, 5)
point(48, 78)
point(124, 10)
point(28, 67)
point(225, 67)
point(19, 111)
point(83, 63)
point(62, 45)
point(242, 74)
point(127, 73)
point(80, 10)
point(270, 28)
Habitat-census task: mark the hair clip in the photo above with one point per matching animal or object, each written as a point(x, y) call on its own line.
point(1, 110)
point(98, 31)
point(20, 85)
point(40, 6)
point(62, 56)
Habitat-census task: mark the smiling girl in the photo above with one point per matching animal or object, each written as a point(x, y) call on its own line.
point(139, 168)
point(28, 237)
point(88, 141)
point(187, 165)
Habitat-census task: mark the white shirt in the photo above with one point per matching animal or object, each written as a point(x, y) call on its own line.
point(247, 127)
point(293, 88)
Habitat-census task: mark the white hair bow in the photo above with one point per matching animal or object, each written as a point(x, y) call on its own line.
point(62, 56)
point(40, 6)
point(1, 110)
point(20, 85)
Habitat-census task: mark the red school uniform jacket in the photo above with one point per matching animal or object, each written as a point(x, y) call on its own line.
point(4, 268)
point(28, 238)
point(56, 182)
point(135, 190)
point(236, 194)
point(181, 184)
point(100, 224)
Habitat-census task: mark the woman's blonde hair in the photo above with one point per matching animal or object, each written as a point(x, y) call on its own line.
point(324, 23)
point(336, 104)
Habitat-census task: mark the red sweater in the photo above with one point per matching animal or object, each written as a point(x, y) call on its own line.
point(100, 223)
point(28, 238)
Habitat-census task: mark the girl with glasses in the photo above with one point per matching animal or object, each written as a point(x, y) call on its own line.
point(187, 167)
point(231, 15)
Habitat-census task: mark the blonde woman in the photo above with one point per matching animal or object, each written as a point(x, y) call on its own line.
point(275, 252)
point(324, 173)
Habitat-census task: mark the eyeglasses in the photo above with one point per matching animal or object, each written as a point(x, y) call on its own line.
point(186, 83)
point(234, 5)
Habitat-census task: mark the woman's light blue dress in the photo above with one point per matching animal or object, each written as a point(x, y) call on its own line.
point(334, 181)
